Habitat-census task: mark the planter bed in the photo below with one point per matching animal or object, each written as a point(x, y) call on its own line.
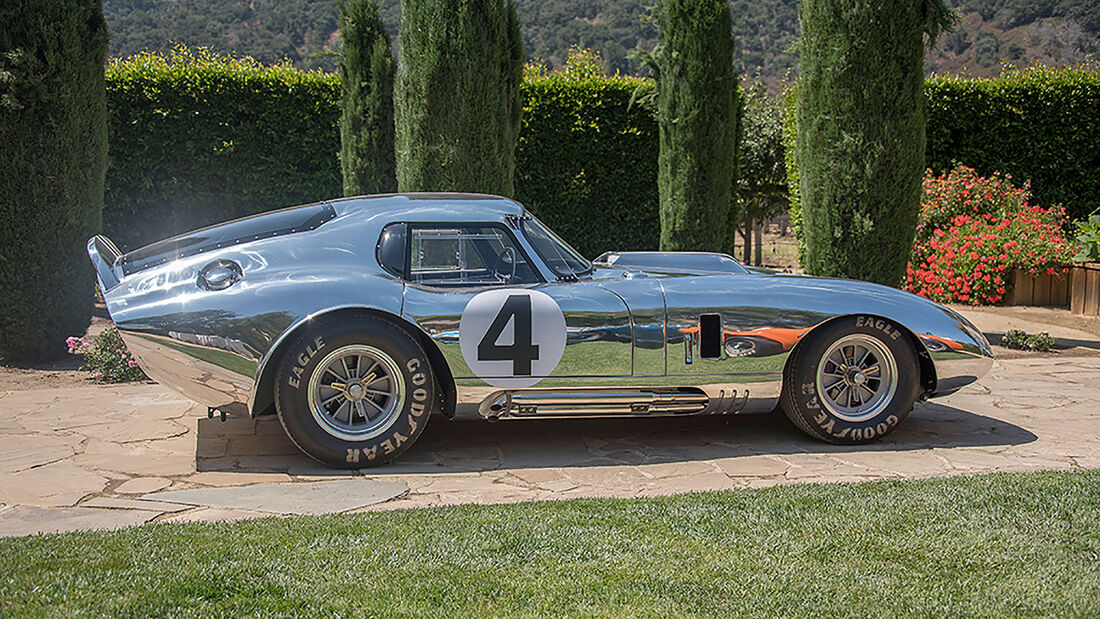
point(1043, 290)
point(1085, 288)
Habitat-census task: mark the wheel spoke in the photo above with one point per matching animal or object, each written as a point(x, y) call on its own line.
point(863, 358)
point(837, 383)
point(372, 403)
point(333, 372)
point(326, 401)
point(373, 364)
point(339, 409)
point(344, 364)
point(362, 411)
point(870, 394)
point(378, 392)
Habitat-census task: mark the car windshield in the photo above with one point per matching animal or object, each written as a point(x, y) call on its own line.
point(558, 255)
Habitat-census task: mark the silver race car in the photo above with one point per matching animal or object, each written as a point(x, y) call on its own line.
point(356, 320)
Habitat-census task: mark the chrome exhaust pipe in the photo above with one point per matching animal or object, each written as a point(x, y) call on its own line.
point(571, 403)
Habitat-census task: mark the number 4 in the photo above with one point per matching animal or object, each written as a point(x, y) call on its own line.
point(521, 352)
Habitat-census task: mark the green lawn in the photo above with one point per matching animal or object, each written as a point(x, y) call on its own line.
point(1002, 544)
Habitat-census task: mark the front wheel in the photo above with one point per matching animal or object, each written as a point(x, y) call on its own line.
point(852, 382)
point(355, 393)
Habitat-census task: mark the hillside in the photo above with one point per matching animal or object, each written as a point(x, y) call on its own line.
point(304, 31)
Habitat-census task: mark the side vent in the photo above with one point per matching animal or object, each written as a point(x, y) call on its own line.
point(710, 336)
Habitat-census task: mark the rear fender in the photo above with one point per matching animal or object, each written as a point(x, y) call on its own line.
point(263, 397)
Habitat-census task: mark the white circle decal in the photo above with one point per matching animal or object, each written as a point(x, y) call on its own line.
point(512, 338)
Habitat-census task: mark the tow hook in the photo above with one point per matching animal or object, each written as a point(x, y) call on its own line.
point(210, 410)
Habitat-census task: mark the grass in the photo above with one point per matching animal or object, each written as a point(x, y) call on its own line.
point(1000, 544)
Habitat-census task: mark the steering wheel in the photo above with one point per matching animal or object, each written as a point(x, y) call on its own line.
point(504, 268)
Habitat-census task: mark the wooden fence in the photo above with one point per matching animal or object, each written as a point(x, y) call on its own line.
point(1085, 285)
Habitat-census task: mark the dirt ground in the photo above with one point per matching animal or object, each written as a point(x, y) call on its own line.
point(777, 252)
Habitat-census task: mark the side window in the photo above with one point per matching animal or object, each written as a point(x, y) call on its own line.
point(466, 255)
point(391, 249)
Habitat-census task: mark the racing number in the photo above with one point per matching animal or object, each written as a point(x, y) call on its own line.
point(522, 351)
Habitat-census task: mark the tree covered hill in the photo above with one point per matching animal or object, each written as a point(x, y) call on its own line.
point(304, 31)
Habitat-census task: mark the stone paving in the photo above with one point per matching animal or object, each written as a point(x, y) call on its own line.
point(95, 456)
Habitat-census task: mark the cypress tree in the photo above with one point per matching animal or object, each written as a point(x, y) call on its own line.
point(457, 96)
point(366, 100)
point(53, 158)
point(861, 132)
point(697, 114)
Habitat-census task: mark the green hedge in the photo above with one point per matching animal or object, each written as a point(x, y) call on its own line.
point(196, 139)
point(53, 155)
point(586, 163)
point(1041, 124)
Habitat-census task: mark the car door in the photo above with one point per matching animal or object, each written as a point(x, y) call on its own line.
point(474, 290)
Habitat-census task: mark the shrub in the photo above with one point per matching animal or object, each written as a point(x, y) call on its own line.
point(1021, 340)
point(366, 100)
point(53, 156)
point(697, 116)
point(861, 129)
point(1039, 124)
point(198, 138)
point(586, 163)
point(106, 357)
point(456, 98)
point(586, 160)
point(1088, 238)
point(974, 231)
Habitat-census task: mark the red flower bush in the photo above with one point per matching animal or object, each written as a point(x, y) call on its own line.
point(973, 231)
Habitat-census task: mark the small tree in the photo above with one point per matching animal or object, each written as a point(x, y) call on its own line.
point(762, 185)
point(53, 149)
point(861, 132)
point(697, 114)
point(366, 100)
point(457, 97)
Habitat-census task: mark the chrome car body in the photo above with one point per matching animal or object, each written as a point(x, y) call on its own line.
point(208, 313)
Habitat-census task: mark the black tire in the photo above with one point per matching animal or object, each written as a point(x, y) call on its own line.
point(846, 414)
point(319, 385)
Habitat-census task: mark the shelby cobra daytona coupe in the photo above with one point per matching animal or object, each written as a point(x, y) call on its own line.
point(355, 320)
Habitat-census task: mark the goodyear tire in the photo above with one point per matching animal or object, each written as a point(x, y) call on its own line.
point(852, 381)
point(353, 393)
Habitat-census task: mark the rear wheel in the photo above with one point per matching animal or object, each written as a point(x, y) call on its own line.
point(355, 393)
point(851, 382)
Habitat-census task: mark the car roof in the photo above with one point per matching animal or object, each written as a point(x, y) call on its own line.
point(425, 206)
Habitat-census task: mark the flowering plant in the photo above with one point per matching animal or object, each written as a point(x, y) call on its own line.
point(107, 358)
point(1088, 237)
point(973, 231)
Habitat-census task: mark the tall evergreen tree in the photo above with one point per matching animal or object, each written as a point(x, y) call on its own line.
point(366, 100)
point(861, 132)
point(697, 106)
point(53, 158)
point(457, 96)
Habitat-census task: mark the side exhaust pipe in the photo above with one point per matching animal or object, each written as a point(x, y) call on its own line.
point(571, 403)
